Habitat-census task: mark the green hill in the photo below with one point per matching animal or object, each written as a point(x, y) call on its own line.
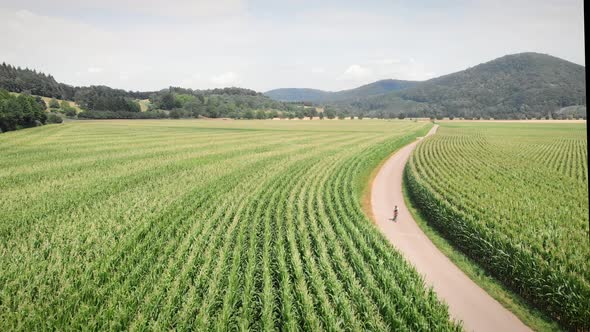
point(372, 89)
point(525, 84)
point(517, 86)
point(297, 94)
point(320, 96)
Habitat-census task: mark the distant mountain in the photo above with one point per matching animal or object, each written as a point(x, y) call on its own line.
point(529, 84)
point(372, 89)
point(297, 94)
point(320, 96)
point(524, 85)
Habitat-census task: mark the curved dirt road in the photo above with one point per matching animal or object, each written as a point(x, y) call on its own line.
point(467, 301)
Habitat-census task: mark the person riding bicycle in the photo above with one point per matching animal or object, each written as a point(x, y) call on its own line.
point(395, 212)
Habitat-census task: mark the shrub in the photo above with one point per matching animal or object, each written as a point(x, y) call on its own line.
point(54, 118)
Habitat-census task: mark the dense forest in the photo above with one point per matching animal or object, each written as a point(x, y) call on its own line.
point(527, 85)
point(217, 103)
point(102, 102)
point(16, 79)
point(93, 98)
point(20, 111)
point(518, 86)
point(176, 102)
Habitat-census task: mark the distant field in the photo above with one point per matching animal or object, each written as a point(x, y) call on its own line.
point(144, 104)
point(207, 225)
point(514, 197)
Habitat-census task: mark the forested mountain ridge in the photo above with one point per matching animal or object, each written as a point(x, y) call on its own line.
point(528, 84)
point(373, 89)
point(321, 96)
point(517, 86)
point(298, 95)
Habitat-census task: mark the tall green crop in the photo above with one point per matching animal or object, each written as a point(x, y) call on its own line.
point(202, 225)
point(513, 197)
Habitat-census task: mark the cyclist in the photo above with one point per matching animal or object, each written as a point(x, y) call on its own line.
point(395, 211)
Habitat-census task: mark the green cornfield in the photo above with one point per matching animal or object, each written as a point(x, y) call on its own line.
point(203, 225)
point(513, 197)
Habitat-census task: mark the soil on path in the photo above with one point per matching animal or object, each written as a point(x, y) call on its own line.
point(466, 300)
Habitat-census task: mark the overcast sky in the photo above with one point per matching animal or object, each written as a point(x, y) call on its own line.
point(267, 44)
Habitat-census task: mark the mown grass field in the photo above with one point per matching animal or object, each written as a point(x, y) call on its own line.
point(513, 197)
point(202, 225)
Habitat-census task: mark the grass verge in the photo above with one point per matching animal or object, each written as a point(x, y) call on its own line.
point(531, 317)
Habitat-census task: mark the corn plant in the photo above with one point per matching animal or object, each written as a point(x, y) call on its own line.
point(202, 225)
point(514, 198)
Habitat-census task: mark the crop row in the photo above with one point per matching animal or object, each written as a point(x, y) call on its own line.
point(514, 199)
point(181, 225)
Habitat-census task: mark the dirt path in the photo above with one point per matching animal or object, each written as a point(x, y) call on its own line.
point(467, 301)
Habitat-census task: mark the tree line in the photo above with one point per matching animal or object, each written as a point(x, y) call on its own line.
point(102, 102)
point(20, 111)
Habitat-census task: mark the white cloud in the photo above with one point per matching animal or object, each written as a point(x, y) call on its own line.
point(318, 70)
point(72, 49)
point(175, 8)
point(187, 8)
point(388, 61)
point(191, 81)
point(373, 70)
point(225, 79)
point(356, 72)
point(94, 70)
point(313, 43)
point(24, 14)
point(410, 69)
